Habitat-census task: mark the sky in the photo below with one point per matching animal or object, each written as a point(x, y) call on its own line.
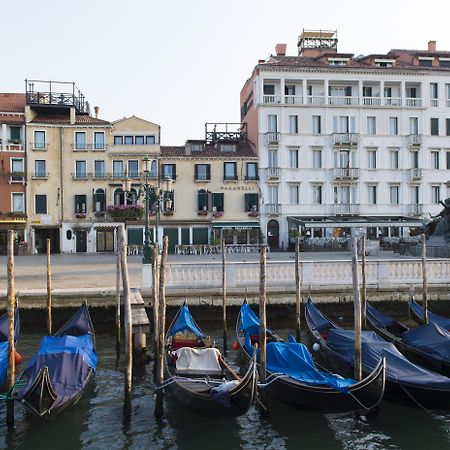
point(183, 63)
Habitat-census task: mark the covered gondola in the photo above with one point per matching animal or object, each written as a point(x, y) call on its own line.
point(406, 382)
point(416, 312)
point(60, 371)
point(4, 327)
point(294, 379)
point(197, 376)
point(428, 345)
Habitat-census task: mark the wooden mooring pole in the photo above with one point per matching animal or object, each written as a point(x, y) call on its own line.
point(118, 300)
point(11, 347)
point(363, 280)
point(162, 330)
point(49, 289)
point(298, 281)
point(224, 295)
point(155, 307)
point(424, 280)
point(357, 311)
point(262, 319)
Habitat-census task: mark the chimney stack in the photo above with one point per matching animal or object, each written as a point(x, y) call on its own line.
point(431, 46)
point(96, 110)
point(280, 49)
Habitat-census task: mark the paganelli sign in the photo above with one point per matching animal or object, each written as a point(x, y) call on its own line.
point(239, 188)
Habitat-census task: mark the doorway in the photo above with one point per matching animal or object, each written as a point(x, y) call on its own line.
point(81, 241)
point(105, 240)
point(273, 235)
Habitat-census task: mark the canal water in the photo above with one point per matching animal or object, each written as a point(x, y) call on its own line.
point(96, 422)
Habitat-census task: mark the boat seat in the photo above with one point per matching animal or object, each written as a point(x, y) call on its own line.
point(198, 361)
point(180, 343)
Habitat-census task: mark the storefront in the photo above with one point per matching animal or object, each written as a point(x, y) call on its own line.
point(19, 237)
point(246, 232)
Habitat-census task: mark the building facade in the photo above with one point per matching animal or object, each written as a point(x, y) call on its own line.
point(349, 143)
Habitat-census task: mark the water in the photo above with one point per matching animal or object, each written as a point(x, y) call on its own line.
point(96, 422)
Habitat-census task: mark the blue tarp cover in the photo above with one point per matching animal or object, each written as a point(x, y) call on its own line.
point(3, 361)
point(249, 320)
point(320, 321)
point(439, 320)
point(380, 319)
point(185, 322)
point(431, 339)
point(373, 347)
point(4, 325)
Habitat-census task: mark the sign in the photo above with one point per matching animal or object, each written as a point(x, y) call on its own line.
point(239, 188)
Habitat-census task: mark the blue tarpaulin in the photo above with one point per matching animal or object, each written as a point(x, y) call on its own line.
point(4, 326)
point(3, 361)
point(249, 320)
point(380, 319)
point(439, 320)
point(185, 322)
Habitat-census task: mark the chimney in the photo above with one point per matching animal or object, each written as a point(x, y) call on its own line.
point(280, 49)
point(73, 116)
point(261, 61)
point(96, 110)
point(431, 46)
point(188, 148)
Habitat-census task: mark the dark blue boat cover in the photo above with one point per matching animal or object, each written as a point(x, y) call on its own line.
point(4, 325)
point(3, 361)
point(249, 320)
point(185, 322)
point(431, 339)
point(78, 325)
point(318, 319)
point(439, 320)
point(373, 347)
point(380, 319)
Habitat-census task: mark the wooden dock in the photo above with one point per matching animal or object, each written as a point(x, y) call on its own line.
point(139, 320)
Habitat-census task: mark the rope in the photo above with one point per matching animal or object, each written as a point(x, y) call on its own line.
point(172, 380)
point(413, 399)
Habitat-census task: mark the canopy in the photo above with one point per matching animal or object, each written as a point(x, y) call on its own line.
point(294, 360)
point(4, 326)
point(431, 339)
point(185, 322)
point(3, 361)
point(373, 347)
point(441, 321)
point(201, 361)
point(380, 319)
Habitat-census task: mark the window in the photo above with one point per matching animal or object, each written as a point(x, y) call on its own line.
point(17, 169)
point(434, 93)
point(251, 171)
point(414, 160)
point(133, 168)
point(169, 171)
point(18, 202)
point(251, 202)
point(344, 124)
point(80, 140)
point(293, 158)
point(40, 204)
point(99, 203)
point(316, 125)
point(99, 141)
point(393, 126)
point(414, 125)
point(217, 201)
point(269, 89)
point(367, 91)
point(118, 169)
point(371, 125)
point(80, 169)
point(289, 89)
point(448, 160)
point(317, 158)
point(388, 92)
point(372, 191)
point(272, 123)
point(426, 62)
point(447, 127)
point(293, 124)
point(317, 194)
point(139, 140)
point(435, 194)
point(372, 159)
point(150, 140)
point(118, 140)
point(294, 191)
point(394, 195)
point(80, 204)
point(202, 172)
point(99, 168)
point(119, 197)
point(39, 168)
point(14, 135)
point(393, 157)
point(229, 171)
point(415, 195)
point(273, 195)
point(39, 140)
point(435, 159)
point(128, 140)
point(434, 126)
point(342, 159)
point(202, 200)
point(272, 155)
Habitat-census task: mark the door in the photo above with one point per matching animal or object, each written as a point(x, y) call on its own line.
point(273, 234)
point(81, 241)
point(105, 241)
point(172, 234)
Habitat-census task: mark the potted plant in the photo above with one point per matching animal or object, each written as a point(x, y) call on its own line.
point(99, 213)
point(80, 215)
point(217, 214)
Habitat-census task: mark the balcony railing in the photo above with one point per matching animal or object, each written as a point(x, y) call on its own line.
point(16, 177)
point(315, 100)
point(345, 138)
point(414, 140)
point(392, 101)
point(271, 99)
point(273, 208)
point(343, 101)
point(273, 172)
point(371, 101)
point(83, 147)
point(40, 175)
point(416, 174)
point(346, 172)
point(416, 209)
point(434, 102)
point(230, 177)
point(99, 176)
point(272, 138)
point(415, 102)
point(80, 176)
point(346, 209)
point(293, 100)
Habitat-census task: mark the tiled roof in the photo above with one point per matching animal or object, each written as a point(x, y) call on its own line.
point(12, 102)
point(65, 120)
point(243, 150)
point(12, 119)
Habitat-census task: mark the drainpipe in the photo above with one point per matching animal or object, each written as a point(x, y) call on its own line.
point(61, 184)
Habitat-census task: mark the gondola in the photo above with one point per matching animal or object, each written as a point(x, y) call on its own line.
point(427, 345)
point(416, 312)
point(294, 379)
point(60, 371)
point(197, 376)
point(406, 382)
point(4, 327)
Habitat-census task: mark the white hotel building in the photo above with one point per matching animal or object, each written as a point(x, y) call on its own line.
point(348, 143)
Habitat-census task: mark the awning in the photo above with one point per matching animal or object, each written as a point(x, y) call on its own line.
point(356, 222)
point(245, 225)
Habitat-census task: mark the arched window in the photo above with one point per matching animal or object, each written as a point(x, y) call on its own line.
point(119, 197)
point(122, 198)
point(99, 200)
point(132, 197)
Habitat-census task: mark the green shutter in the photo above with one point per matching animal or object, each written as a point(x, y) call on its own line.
point(172, 234)
point(135, 236)
point(185, 236)
point(200, 235)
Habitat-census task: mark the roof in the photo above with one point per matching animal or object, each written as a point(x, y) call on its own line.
point(62, 119)
point(12, 119)
point(243, 150)
point(12, 102)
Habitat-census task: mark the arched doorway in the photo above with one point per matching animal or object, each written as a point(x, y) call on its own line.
point(273, 234)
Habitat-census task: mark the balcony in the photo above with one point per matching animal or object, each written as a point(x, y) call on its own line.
point(346, 173)
point(414, 140)
point(434, 102)
point(413, 102)
point(273, 173)
point(416, 209)
point(16, 177)
point(315, 100)
point(392, 101)
point(416, 174)
point(80, 176)
point(272, 138)
point(276, 99)
point(273, 209)
point(343, 101)
point(230, 177)
point(40, 175)
point(43, 146)
point(13, 144)
point(99, 176)
point(346, 209)
point(371, 101)
point(345, 138)
point(293, 100)
point(82, 147)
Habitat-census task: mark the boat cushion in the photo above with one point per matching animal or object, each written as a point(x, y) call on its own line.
point(204, 361)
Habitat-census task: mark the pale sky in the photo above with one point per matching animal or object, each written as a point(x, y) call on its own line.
point(182, 63)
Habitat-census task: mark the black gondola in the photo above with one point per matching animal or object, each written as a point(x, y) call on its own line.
point(4, 328)
point(59, 372)
point(406, 382)
point(294, 379)
point(416, 312)
point(427, 345)
point(198, 377)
